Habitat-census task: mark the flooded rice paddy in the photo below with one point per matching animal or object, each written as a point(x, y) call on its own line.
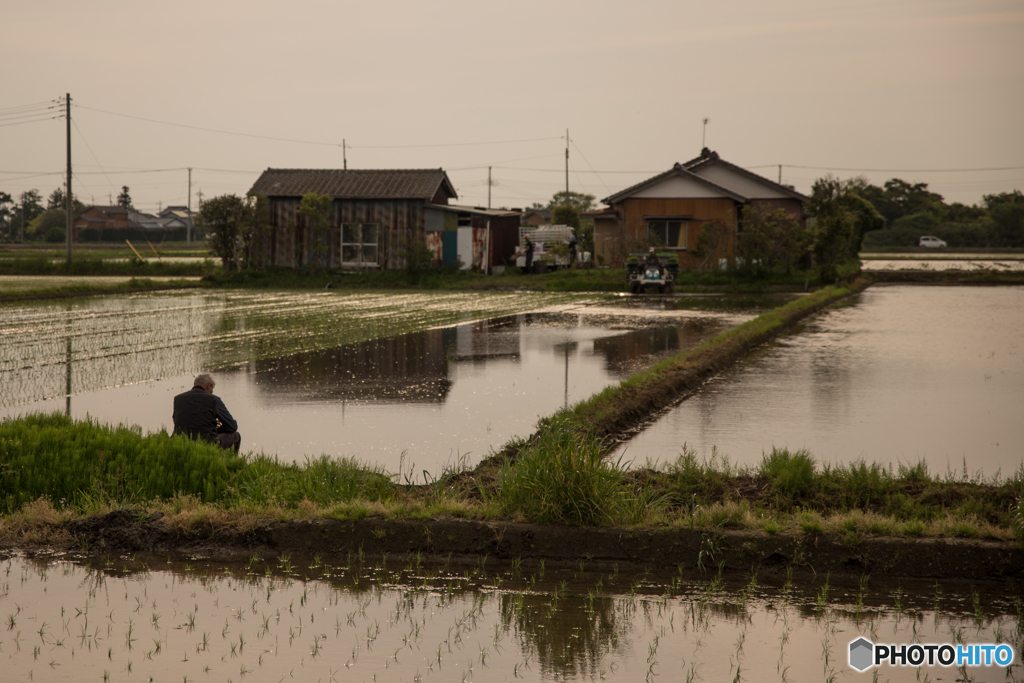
point(898, 374)
point(943, 262)
point(412, 382)
point(154, 618)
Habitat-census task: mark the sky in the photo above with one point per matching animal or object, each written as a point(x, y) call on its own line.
point(928, 91)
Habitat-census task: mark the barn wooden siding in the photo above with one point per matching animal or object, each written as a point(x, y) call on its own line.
point(397, 219)
point(636, 211)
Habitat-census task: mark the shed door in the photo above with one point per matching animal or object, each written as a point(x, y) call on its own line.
point(466, 247)
point(449, 247)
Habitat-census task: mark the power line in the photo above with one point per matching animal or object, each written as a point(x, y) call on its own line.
point(89, 147)
point(22, 123)
point(211, 130)
point(893, 170)
point(312, 142)
point(50, 104)
point(455, 144)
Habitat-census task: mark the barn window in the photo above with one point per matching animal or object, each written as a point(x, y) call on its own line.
point(667, 232)
point(359, 243)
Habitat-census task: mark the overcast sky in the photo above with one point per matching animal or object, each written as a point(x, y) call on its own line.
point(906, 87)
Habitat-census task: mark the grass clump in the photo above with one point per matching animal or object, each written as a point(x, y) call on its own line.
point(792, 474)
point(563, 478)
point(265, 480)
point(88, 465)
point(79, 462)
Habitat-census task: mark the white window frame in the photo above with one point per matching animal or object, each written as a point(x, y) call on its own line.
point(359, 246)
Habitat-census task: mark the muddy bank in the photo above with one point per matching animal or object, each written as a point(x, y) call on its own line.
point(126, 531)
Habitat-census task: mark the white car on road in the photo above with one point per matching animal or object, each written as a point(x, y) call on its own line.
point(931, 242)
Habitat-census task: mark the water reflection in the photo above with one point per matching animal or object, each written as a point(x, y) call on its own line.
point(412, 368)
point(567, 638)
point(898, 374)
point(419, 401)
point(152, 616)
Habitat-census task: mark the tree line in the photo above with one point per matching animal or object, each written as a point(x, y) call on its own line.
point(29, 218)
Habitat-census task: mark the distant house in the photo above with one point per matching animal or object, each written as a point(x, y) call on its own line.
point(673, 207)
point(104, 218)
point(175, 217)
point(536, 217)
point(376, 212)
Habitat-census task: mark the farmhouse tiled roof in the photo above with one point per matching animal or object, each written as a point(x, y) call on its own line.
point(710, 158)
point(355, 184)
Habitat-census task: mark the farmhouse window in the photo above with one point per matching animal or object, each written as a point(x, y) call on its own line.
point(666, 232)
point(359, 243)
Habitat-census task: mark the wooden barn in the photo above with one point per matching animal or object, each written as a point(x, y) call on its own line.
point(376, 212)
point(672, 208)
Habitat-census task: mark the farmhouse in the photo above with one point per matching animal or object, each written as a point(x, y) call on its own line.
point(375, 213)
point(671, 209)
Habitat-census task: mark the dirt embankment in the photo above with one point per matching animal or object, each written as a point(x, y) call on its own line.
point(127, 531)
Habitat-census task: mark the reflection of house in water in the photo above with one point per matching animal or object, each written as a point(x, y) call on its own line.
point(486, 339)
point(622, 352)
point(411, 368)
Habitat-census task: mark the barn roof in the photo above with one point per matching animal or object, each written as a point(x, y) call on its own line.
point(355, 184)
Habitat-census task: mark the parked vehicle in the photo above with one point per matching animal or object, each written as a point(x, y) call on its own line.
point(928, 241)
point(642, 276)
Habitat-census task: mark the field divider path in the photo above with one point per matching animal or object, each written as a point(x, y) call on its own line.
point(611, 414)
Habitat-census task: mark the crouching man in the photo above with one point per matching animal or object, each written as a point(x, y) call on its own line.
point(201, 415)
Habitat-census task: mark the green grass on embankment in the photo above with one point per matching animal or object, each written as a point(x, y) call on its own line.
point(566, 280)
point(131, 266)
point(60, 289)
point(621, 407)
point(53, 469)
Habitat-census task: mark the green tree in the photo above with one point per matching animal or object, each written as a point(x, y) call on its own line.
point(772, 239)
point(50, 225)
point(582, 202)
point(836, 232)
point(222, 219)
point(124, 199)
point(1006, 211)
point(5, 212)
point(565, 214)
point(255, 229)
point(713, 245)
point(315, 210)
point(30, 205)
point(56, 201)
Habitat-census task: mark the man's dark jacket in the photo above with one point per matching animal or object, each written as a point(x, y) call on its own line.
point(196, 413)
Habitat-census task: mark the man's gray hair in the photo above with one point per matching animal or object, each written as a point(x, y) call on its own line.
point(203, 380)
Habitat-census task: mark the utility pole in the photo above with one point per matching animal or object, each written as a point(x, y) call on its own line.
point(22, 218)
point(488, 187)
point(188, 225)
point(780, 174)
point(704, 134)
point(566, 165)
point(68, 201)
point(344, 156)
